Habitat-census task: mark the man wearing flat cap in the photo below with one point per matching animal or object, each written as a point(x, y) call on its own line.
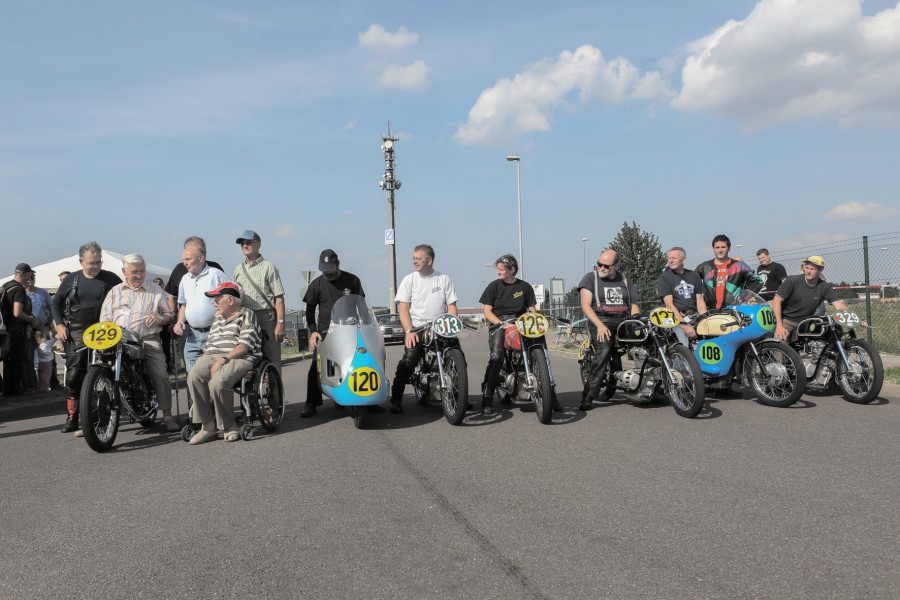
point(233, 346)
point(263, 294)
point(323, 292)
point(19, 321)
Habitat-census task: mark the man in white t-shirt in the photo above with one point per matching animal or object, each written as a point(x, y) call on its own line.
point(423, 295)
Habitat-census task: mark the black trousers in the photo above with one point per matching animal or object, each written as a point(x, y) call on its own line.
point(495, 362)
point(405, 368)
point(602, 352)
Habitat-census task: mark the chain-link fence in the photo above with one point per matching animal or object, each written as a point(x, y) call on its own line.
point(865, 272)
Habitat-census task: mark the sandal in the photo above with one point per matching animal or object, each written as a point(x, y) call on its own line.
point(201, 437)
point(232, 436)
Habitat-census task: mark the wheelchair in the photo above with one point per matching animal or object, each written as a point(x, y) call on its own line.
point(261, 393)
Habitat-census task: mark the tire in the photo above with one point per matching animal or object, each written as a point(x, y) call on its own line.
point(100, 423)
point(455, 398)
point(187, 432)
point(359, 416)
point(785, 378)
point(247, 432)
point(542, 394)
point(863, 382)
point(270, 393)
point(687, 393)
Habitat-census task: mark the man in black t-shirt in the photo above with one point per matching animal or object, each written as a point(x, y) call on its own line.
point(20, 323)
point(681, 291)
point(322, 293)
point(607, 298)
point(799, 296)
point(771, 273)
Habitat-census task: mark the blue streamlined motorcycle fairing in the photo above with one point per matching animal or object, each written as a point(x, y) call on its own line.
point(745, 323)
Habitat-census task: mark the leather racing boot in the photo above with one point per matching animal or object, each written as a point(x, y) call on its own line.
point(71, 423)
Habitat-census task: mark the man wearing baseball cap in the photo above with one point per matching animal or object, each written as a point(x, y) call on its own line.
point(233, 346)
point(799, 296)
point(16, 309)
point(263, 294)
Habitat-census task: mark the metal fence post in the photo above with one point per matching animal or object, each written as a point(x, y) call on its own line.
point(868, 291)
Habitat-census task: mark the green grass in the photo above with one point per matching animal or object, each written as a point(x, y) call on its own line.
point(892, 375)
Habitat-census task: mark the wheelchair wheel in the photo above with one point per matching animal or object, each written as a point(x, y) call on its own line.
point(247, 432)
point(270, 391)
point(187, 432)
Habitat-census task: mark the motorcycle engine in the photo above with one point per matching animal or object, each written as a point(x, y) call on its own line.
point(511, 381)
point(815, 348)
point(434, 388)
point(638, 354)
point(629, 378)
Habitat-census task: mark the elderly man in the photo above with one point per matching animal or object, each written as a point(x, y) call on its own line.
point(232, 347)
point(76, 306)
point(141, 307)
point(681, 290)
point(263, 294)
point(196, 310)
point(19, 321)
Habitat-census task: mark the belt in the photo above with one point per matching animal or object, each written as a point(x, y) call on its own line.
point(200, 329)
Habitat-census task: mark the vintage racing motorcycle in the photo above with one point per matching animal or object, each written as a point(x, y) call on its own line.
point(832, 354)
point(441, 376)
point(662, 366)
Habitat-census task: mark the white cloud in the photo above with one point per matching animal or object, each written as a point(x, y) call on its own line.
point(527, 101)
point(286, 230)
point(798, 59)
point(858, 210)
point(350, 125)
point(411, 77)
point(378, 39)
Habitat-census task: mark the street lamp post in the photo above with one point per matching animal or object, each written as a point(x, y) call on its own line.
point(390, 184)
point(583, 255)
point(518, 161)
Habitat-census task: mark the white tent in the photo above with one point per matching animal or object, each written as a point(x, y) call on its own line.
point(47, 274)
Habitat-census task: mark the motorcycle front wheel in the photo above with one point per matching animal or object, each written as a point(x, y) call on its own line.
point(99, 420)
point(455, 394)
point(862, 382)
point(784, 379)
point(542, 394)
point(687, 392)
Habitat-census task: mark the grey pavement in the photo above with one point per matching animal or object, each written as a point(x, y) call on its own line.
point(624, 501)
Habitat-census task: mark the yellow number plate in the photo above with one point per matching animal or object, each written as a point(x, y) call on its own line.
point(364, 381)
point(101, 336)
point(532, 325)
point(665, 318)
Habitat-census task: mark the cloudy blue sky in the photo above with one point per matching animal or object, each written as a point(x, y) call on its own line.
point(139, 123)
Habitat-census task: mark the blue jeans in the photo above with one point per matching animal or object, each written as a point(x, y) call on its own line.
point(193, 347)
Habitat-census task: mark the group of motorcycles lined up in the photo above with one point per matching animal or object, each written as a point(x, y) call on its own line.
point(732, 344)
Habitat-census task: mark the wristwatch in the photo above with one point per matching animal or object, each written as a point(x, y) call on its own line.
point(226, 359)
point(281, 321)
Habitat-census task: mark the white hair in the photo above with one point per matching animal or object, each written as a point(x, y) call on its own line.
point(133, 259)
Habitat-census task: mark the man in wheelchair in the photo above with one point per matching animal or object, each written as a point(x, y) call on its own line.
point(233, 346)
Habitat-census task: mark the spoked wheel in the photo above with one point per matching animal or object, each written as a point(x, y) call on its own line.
point(247, 432)
point(862, 382)
point(455, 391)
point(359, 416)
point(784, 379)
point(687, 392)
point(542, 392)
point(270, 391)
point(100, 421)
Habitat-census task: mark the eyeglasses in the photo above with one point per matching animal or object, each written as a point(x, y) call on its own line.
point(600, 265)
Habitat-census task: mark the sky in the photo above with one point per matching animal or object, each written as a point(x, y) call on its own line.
point(136, 124)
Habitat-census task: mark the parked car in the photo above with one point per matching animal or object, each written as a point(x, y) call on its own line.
point(391, 328)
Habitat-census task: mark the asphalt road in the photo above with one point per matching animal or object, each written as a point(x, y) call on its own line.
point(624, 501)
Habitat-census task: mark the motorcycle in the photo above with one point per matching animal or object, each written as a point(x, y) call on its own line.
point(736, 342)
point(663, 367)
point(115, 380)
point(350, 359)
point(832, 354)
point(441, 376)
point(526, 374)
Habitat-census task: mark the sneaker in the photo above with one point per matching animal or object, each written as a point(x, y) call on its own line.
point(309, 410)
point(71, 424)
point(79, 433)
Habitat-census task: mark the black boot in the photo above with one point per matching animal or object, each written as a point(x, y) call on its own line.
point(487, 405)
point(585, 403)
point(309, 410)
point(71, 423)
point(396, 407)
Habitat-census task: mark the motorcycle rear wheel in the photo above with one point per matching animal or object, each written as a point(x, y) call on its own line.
point(359, 416)
point(862, 383)
point(689, 391)
point(784, 379)
point(542, 394)
point(99, 420)
point(456, 396)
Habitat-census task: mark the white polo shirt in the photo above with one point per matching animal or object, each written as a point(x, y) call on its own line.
point(428, 296)
point(199, 310)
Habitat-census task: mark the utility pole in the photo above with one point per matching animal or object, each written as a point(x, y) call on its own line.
point(389, 184)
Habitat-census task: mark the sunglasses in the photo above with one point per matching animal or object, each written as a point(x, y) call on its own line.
point(600, 265)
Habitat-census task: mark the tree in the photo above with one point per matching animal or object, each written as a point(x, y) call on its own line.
point(640, 257)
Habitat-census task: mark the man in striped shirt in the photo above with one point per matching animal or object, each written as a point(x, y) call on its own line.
point(142, 307)
point(233, 346)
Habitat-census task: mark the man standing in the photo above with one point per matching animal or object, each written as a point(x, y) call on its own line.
point(681, 291)
point(799, 296)
point(140, 306)
point(323, 292)
point(724, 277)
point(607, 298)
point(233, 346)
point(263, 294)
point(423, 295)
point(771, 273)
point(76, 306)
point(40, 308)
point(196, 310)
point(19, 321)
